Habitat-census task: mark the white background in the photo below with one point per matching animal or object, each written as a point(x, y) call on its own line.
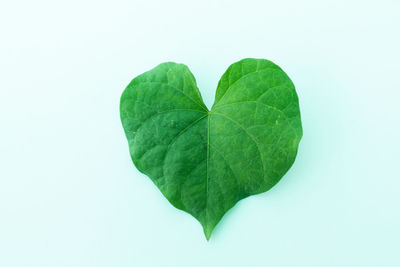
point(70, 195)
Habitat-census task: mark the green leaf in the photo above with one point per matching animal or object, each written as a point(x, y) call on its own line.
point(204, 161)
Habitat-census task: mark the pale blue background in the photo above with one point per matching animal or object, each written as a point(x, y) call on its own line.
point(70, 196)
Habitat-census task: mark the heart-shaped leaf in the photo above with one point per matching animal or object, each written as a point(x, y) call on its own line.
point(204, 161)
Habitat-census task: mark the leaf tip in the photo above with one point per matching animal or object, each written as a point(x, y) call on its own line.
point(207, 232)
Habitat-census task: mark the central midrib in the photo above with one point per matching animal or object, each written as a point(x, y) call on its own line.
point(207, 162)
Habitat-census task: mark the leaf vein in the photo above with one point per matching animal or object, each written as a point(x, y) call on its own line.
point(241, 77)
point(177, 136)
point(251, 137)
point(191, 99)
